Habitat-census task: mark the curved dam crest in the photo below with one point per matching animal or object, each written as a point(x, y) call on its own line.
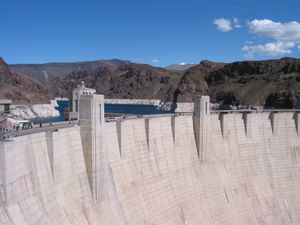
point(205, 168)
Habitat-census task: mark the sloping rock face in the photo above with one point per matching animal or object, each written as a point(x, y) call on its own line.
point(194, 82)
point(20, 88)
point(245, 83)
point(148, 172)
point(126, 81)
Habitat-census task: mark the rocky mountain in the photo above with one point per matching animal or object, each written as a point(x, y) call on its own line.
point(21, 88)
point(268, 82)
point(273, 83)
point(180, 66)
point(47, 71)
point(193, 81)
point(125, 81)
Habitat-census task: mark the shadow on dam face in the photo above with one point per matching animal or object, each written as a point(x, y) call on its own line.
point(206, 168)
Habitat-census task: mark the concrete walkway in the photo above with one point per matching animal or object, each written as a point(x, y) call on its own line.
point(45, 128)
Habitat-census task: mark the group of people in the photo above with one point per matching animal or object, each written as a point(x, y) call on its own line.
point(27, 126)
point(10, 132)
point(13, 131)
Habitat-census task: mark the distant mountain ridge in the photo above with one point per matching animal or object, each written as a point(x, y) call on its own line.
point(180, 66)
point(47, 71)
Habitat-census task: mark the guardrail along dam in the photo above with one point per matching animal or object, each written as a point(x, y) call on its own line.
point(209, 167)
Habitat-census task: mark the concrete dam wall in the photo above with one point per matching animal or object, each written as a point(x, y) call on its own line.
point(204, 168)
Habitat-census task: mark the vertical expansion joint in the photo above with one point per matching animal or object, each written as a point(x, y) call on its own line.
point(50, 146)
point(271, 117)
point(222, 123)
point(119, 134)
point(297, 121)
point(173, 128)
point(245, 120)
point(147, 131)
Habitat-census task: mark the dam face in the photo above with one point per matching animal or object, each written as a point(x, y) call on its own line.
point(207, 168)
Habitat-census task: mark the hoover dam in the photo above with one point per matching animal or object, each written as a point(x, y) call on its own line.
point(206, 167)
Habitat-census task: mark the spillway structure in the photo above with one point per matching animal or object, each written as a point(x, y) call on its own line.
point(208, 167)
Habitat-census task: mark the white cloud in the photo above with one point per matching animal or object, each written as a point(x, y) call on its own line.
point(155, 60)
point(182, 63)
point(223, 25)
point(236, 23)
point(285, 35)
point(139, 59)
point(269, 49)
point(289, 32)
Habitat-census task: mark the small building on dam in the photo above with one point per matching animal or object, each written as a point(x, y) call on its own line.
point(72, 113)
point(206, 167)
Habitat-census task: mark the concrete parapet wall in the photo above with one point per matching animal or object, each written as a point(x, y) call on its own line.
point(147, 171)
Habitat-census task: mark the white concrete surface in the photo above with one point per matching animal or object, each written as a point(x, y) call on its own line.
point(147, 171)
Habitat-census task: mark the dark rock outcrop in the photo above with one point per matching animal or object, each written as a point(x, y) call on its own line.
point(283, 100)
point(246, 82)
point(193, 81)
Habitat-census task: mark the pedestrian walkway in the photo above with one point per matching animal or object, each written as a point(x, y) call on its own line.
point(9, 133)
point(45, 128)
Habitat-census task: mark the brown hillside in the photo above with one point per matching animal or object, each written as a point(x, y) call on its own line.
point(21, 88)
point(268, 82)
point(126, 81)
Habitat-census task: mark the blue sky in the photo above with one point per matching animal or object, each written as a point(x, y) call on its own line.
point(153, 32)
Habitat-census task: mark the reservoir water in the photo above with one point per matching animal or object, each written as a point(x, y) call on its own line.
point(109, 108)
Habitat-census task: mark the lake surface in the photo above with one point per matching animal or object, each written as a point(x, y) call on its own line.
point(109, 108)
point(133, 109)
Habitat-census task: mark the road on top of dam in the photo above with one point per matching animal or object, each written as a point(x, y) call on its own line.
point(46, 127)
point(59, 125)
